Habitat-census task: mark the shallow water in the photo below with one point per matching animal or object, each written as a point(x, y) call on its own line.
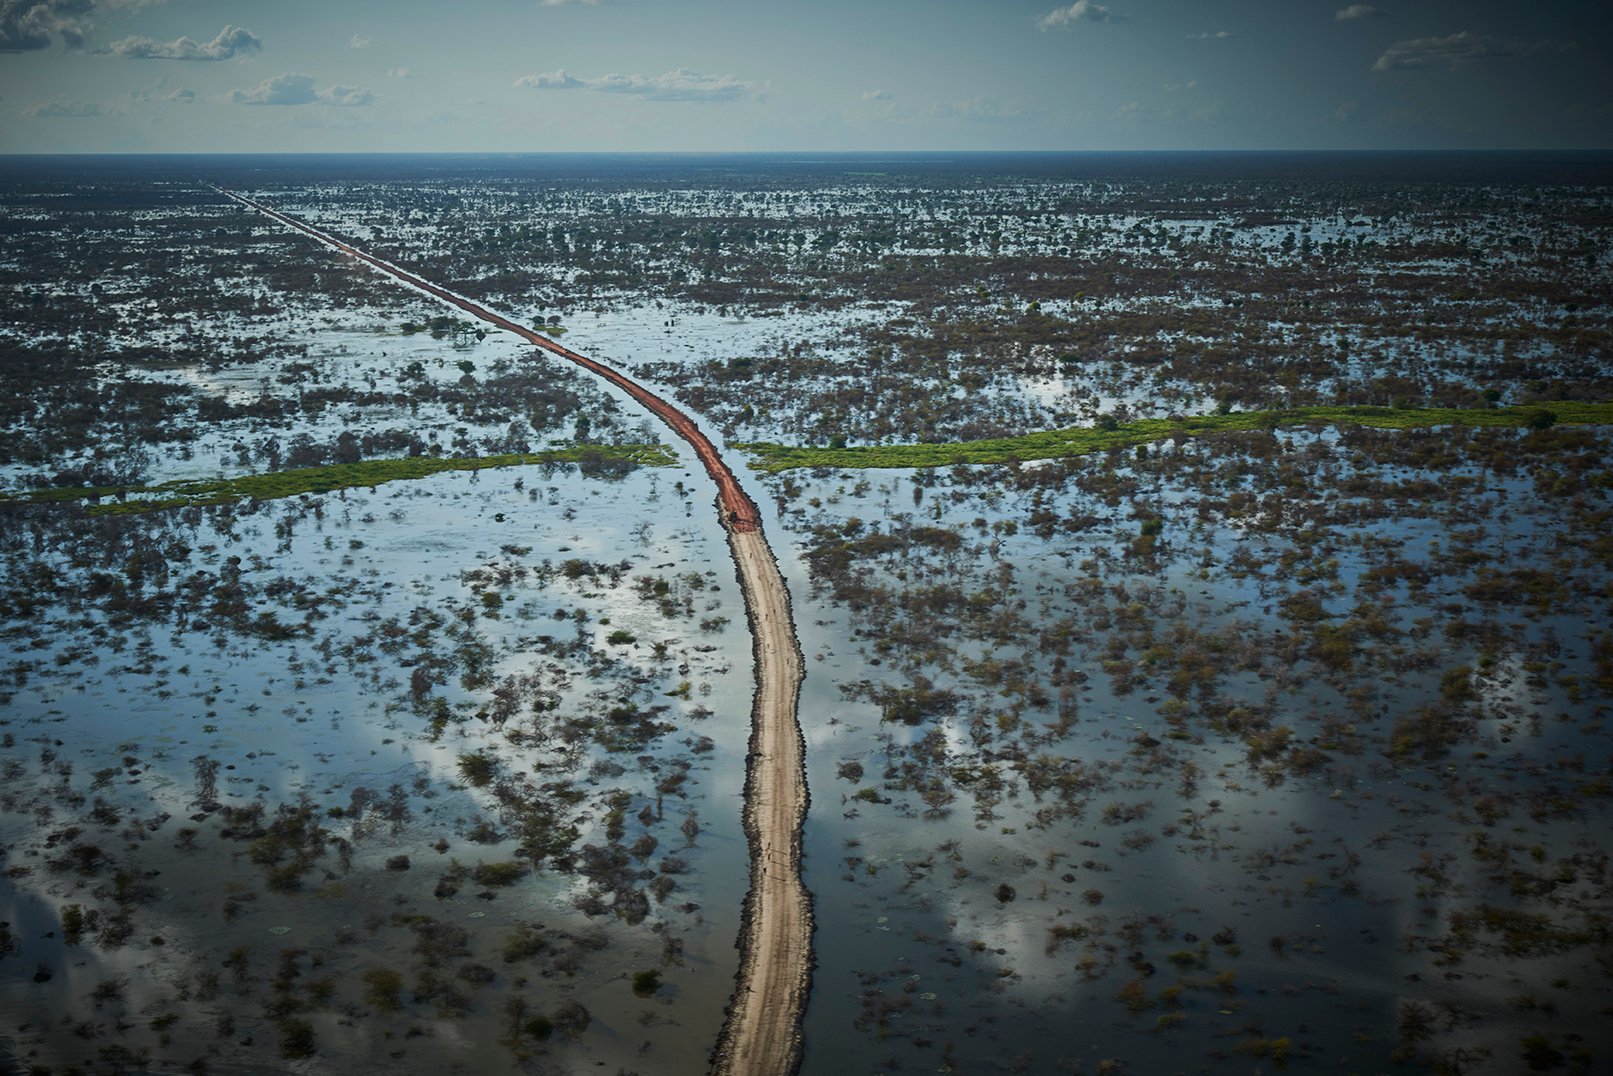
point(922, 961)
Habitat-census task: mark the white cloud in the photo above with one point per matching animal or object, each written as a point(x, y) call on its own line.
point(27, 25)
point(679, 85)
point(232, 41)
point(358, 41)
point(1080, 11)
point(287, 89)
point(1173, 87)
point(295, 89)
point(563, 3)
point(346, 95)
point(64, 110)
point(399, 72)
point(1208, 36)
point(552, 80)
point(1355, 11)
point(1457, 50)
point(876, 95)
point(161, 92)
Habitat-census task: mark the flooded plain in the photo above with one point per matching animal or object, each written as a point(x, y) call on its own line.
point(1281, 749)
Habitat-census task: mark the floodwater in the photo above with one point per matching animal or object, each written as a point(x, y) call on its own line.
point(1099, 852)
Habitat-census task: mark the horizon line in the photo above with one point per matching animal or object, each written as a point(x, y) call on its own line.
point(1596, 150)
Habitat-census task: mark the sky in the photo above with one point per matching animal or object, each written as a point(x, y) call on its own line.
point(115, 76)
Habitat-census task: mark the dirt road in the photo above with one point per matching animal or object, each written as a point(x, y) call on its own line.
point(762, 1033)
point(775, 950)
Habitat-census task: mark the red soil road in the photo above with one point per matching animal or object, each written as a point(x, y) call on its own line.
point(739, 511)
point(761, 1033)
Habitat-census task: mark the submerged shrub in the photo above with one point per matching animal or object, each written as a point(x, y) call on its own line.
point(382, 987)
point(646, 983)
point(499, 874)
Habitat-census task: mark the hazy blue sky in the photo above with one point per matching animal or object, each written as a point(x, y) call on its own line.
point(520, 75)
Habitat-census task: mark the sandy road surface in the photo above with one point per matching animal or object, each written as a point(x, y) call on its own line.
point(762, 1033)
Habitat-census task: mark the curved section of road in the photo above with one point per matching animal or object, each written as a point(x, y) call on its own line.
point(739, 511)
point(761, 1035)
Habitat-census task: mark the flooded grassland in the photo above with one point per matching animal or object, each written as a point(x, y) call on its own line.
point(443, 769)
point(1271, 747)
point(1255, 748)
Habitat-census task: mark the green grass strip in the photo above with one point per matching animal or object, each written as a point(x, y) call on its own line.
point(113, 500)
point(1080, 440)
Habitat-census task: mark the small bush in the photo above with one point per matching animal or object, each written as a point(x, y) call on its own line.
point(477, 769)
point(73, 923)
point(646, 983)
point(1276, 1049)
point(476, 974)
point(499, 874)
point(382, 987)
point(573, 1018)
point(1134, 996)
point(524, 942)
point(296, 1039)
